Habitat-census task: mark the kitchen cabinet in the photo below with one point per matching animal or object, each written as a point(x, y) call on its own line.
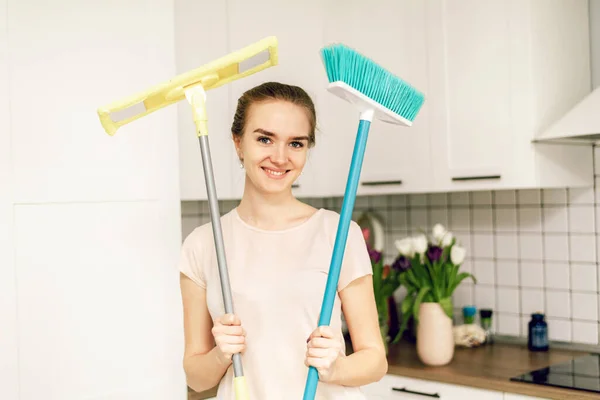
point(501, 71)
point(201, 36)
point(394, 34)
point(511, 396)
point(398, 387)
point(494, 73)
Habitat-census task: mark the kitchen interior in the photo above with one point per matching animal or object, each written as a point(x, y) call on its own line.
point(504, 156)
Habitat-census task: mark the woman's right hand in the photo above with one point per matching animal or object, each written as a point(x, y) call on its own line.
point(229, 335)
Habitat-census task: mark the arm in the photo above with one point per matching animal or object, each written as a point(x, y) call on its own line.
point(204, 363)
point(368, 362)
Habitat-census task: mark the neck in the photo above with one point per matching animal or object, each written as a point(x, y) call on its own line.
point(266, 209)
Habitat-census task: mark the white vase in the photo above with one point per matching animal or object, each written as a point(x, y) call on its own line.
point(435, 341)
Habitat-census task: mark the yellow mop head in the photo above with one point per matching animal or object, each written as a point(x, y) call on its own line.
point(244, 62)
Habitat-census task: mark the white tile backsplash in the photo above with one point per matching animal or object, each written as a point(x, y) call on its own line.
point(532, 250)
point(583, 277)
point(530, 246)
point(530, 219)
point(556, 219)
point(507, 246)
point(557, 275)
point(581, 219)
point(558, 304)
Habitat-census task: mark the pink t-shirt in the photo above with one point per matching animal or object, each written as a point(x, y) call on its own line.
point(278, 279)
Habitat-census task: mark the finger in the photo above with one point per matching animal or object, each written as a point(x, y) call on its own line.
point(234, 330)
point(323, 343)
point(316, 362)
point(234, 349)
point(317, 352)
point(230, 319)
point(325, 331)
point(230, 339)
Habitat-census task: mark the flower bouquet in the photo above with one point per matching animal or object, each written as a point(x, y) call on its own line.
point(429, 269)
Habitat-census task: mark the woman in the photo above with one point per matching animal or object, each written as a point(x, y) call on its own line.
point(278, 252)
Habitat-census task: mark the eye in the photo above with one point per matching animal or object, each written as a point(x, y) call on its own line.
point(297, 144)
point(264, 139)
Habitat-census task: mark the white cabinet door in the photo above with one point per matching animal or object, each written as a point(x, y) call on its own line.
point(470, 45)
point(393, 34)
point(298, 27)
point(492, 92)
point(398, 387)
point(511, 396)
point(201, 37)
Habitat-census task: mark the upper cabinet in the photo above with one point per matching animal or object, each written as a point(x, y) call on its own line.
point(501, 72)
point(495, 73)
point(393, 33)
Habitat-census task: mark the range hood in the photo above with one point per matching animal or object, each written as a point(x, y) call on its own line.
point(581, 123)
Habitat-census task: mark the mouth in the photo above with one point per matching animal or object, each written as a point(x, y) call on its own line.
point(275, 173)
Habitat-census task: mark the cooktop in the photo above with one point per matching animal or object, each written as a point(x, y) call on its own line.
point(581, 373)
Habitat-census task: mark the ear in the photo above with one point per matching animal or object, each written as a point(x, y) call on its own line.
point(237, 141)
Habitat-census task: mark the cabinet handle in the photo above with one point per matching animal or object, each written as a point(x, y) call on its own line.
point(474, 178)
point(405, 390)
point(381, 183)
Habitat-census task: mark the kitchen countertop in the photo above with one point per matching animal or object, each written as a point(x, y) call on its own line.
point(487, 367)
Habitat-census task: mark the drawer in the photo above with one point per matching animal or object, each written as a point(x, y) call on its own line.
point(394, 387)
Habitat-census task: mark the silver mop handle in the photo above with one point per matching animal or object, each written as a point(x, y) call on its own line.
point(215, 217)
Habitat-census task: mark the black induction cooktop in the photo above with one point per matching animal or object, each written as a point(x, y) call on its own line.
point(581, 373)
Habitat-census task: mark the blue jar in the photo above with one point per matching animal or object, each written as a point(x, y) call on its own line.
point(538, 333)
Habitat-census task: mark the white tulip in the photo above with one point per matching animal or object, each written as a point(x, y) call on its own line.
point(457, 254)
point(438, 232)
point(420, 244)
point(447, 239)
point(405, 247)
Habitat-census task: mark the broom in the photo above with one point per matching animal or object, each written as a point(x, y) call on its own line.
point(376, 93)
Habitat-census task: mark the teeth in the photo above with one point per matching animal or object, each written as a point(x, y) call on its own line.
point(274, 172)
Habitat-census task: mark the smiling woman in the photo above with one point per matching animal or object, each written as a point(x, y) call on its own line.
point(272, 129)
point(278, 252)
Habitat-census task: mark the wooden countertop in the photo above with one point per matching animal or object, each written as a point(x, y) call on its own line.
point(487, 367)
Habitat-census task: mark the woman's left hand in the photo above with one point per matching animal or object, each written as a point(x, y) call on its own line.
point(323, 350)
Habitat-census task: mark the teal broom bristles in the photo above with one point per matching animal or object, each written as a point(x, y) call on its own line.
point(383, 91)
point(363, 74)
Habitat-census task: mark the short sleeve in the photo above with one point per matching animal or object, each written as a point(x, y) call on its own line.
point(190, 259)
point(356, 262)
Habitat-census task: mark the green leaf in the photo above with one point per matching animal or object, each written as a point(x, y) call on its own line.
point(446, 304)
point(418, 300)
point(406, 304)
point(462, 276)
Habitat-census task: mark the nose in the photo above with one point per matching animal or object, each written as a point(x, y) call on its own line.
point(279, 155)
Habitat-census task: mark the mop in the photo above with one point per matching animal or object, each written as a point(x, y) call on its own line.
point(193, 85)
point(376, 93)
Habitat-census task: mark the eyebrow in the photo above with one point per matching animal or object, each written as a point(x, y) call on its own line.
point(271, 134)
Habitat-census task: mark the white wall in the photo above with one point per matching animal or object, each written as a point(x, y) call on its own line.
point(8, 307)
point(595, 41)
point(89, 224)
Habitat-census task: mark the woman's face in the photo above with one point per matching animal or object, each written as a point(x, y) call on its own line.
point(274, 144)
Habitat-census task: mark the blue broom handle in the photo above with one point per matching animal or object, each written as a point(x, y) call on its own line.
point(341, 237)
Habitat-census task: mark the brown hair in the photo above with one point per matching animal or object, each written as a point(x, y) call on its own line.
point(274, 91)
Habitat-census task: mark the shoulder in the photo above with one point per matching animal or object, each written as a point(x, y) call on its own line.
point(331, 220)
point(204, 233)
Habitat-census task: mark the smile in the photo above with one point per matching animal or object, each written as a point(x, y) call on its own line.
point(274, 174)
